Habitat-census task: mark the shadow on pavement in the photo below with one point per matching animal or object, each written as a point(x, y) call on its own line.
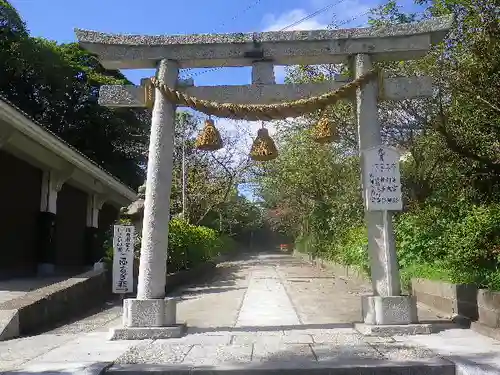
point(298, 327)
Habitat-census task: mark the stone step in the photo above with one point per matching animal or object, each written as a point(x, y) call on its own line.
point(434, 366)
point(266, 356)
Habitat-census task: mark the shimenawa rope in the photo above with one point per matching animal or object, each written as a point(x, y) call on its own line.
point(264, 112)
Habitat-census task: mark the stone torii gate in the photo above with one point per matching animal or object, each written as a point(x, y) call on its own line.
point(153, 315)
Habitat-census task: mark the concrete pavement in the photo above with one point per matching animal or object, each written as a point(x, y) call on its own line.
point(260, 313)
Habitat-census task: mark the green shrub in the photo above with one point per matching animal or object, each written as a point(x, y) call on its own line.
point(226, 244)
point(312, 244)
point(419, 235)
point(458, 243)
point(348, 247)
point(472, 240)
point(188, 245)
point(354, 249)
point(430, 271)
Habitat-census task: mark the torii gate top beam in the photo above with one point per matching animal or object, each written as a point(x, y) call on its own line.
point(397, 42)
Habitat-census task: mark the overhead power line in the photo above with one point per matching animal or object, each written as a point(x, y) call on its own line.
point(293, 24)
point(311, 15)
point(236, 16)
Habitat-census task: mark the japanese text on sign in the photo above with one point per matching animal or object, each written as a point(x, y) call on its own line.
point(382, 179)
point(123, 258)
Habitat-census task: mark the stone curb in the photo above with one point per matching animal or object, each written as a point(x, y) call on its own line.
point(404, 329)
point(69, 368)
point(484, 330)
point(433, 366)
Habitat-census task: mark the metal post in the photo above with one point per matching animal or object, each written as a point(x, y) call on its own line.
point(184, 171)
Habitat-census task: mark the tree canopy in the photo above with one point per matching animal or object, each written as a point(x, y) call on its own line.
point(58, 85)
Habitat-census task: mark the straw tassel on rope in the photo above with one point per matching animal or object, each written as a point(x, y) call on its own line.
point(209, 139)
point(263, 147)
point(324, 131)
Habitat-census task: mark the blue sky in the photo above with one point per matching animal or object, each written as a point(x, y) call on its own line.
point(56, 20)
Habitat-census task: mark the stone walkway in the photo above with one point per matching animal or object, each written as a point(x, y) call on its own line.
point(263, 312)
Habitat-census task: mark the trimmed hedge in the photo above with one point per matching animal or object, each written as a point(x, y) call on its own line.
point(188, 245)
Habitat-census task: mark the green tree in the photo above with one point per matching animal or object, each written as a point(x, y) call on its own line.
point(58, 86)
point(212, 177)
point(11, 23)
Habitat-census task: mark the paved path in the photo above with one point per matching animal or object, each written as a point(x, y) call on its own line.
point(260, 312)
point(264, 290)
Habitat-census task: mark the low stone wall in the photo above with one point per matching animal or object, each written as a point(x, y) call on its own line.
point(464, 302)
point(479, 307)
point(184, 277)
point(459, 300)
point(488, 304)
point(43, 308)
point(338, 269)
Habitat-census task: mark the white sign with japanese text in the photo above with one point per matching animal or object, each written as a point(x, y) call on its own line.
point(123, 259)
point(382, 179)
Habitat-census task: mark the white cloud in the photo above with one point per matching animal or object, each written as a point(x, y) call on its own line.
point(351, 13)
point(346, 13)
point(276, 23)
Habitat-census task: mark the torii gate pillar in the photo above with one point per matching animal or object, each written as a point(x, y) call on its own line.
point(151, 314)
point(153, 262)
point(387, 306)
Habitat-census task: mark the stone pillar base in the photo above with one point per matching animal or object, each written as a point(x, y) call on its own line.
point(379, 310)
point(390, 330)
point(149, 319)
point(147, 333)
point(149, 312)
